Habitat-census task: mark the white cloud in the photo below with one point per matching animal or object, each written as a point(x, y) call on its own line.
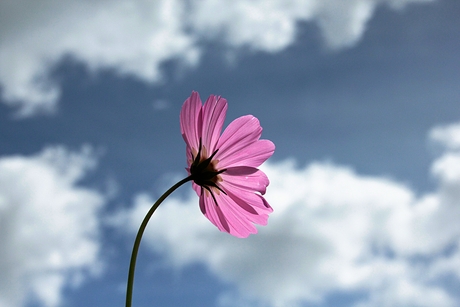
point(132, 37)
point(135, 37)
point(48, 225)
point(332, 230)
point(447, 135)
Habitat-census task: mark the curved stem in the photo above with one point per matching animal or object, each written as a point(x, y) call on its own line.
point(137, 242)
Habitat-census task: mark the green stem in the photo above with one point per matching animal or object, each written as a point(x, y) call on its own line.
point(137, 242)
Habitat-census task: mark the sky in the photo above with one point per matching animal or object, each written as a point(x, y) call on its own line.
point(360, 98)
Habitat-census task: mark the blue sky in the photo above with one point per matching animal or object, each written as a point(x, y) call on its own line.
point(360, 98)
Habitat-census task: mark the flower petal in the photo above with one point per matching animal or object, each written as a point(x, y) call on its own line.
point(253, 199)
point(241, 133)
point(196, 188)
point(247, 178)
point(240, 221)
point(252, 155)
point(214, 111)
point(191, 121)
point(213, 212)
point(248, 212)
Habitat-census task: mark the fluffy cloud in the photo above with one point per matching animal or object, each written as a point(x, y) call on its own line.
point(48, 225)
point(132, 37)
point(135, 37)
point(270, 25)
point(332, 230)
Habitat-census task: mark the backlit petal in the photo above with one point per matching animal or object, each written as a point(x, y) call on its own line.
point(214, 111)
point(239, 222)
point(191, 120)
point(247, 212)
point(247, 178)
point(255, 200)
point(252, 155)
point(213, 212)
point(241, 133)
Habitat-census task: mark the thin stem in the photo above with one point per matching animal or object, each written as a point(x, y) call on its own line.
point(137, 242)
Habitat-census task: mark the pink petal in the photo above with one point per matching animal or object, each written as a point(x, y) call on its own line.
point(247, 212)
point(197, 188)
point(247, 178)
point(213, 212)
point(253, 199)
point(228, 215)
point(241, 133)
point(232, 214)
point(214, 111)
point(252, 155)
point(190, 120)
point(237, 219)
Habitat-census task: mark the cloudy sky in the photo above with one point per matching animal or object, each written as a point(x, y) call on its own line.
point(360, 97)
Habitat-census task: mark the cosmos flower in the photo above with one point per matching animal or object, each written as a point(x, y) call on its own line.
point(224, 167)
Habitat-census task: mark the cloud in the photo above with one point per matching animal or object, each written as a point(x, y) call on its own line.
point(447, 136)
point(332, 230)
point(131, 37)
point(136, 37)
point(48, 225)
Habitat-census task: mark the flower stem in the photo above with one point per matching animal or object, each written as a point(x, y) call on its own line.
point(137, 242)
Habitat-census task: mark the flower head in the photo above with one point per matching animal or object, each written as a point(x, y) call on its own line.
point(224, 167)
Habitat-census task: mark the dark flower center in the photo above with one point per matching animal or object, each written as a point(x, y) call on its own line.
point(204, 172)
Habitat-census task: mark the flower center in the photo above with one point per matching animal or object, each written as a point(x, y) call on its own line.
point(204, 173)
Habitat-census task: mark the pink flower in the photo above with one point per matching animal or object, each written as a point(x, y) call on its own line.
point(224, 167)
